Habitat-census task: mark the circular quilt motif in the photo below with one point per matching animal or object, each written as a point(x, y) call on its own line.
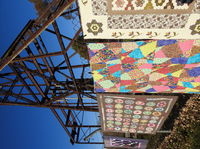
point(147, 113)
point(143, 124)
point(108, 100)
point(133, 126)
point(109, 114)
point(132, 130)
point(155, 117)
point(118, 111)
point(118, 119)
point(156, 113)
point(141, 128)
point(129, 102)
point(127, 116)
point(118, 123)
point(126, 124)
point(110, 125)
point(152, 121)
point(140, 103)
point(162, 104)
point(138, 107)
point(109, 110)
point(117, 128)
point(110, 122)
point(128, 107)
point(128, 111)
point(136, 116)
point(124, 129)
point(159, 109)
point(151, 104)
point(118, 115)
point(135, 120)
point(127, 120)
point(145, 117)
point(109, 106)
point(137, 112)
point(118, 106)
point(148, 108)
point(144, 121)
point(151, 125)
point(110, 128)
point(149, 129)
point(119, 100)
point(110, 118)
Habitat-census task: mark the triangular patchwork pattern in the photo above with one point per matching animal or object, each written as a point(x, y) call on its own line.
point(162, 66)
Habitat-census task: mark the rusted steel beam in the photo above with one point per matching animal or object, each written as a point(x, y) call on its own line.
point(31, 77)
point(64, 74)
point(10, 89)
point(3, 77)
point(45, 70)
point(38, 56)
point(89, 142)
point(62, 124)
point(40, 75)
point(68, 12)
point(18, 38)
point(43, 59)
point(67, 116)
point(73, 54)
point(35, 63)
point(50, 31)
point(6, 60)
point(64, 51)
point(20, 85)
point(56, 106)
point(64, 95)
point(24, 82)
point(45, 50)
point(26, 94)
point(18, 96)
point(84, 126)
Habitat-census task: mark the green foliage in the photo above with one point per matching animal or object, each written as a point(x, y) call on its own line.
point(81, 48)
point(194, 137)
point(184, 121)
point(39, 5)
point(186, 130)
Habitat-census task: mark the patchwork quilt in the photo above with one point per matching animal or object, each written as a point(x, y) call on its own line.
point(162, 66)
point(134, 113)
point(140, 19)
point(124, 143)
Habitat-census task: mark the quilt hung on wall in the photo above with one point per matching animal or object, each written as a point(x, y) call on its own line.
point(163, 66)
point(134, 113)
point(140, 19)
point(124, 143)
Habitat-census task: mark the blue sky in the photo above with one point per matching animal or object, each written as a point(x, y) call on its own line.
point(26, 127)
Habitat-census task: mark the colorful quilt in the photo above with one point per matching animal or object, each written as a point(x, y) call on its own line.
point(120, 142)
point(134, 113)
point(163, 66)
point(140, 19)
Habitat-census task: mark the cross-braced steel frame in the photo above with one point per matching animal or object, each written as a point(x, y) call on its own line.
point(40, 70)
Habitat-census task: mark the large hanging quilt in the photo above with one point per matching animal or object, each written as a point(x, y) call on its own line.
point(140, 19)
point(163, 66)
point(134, 113)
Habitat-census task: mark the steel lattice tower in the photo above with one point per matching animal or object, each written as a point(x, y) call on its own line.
point(39, 77)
